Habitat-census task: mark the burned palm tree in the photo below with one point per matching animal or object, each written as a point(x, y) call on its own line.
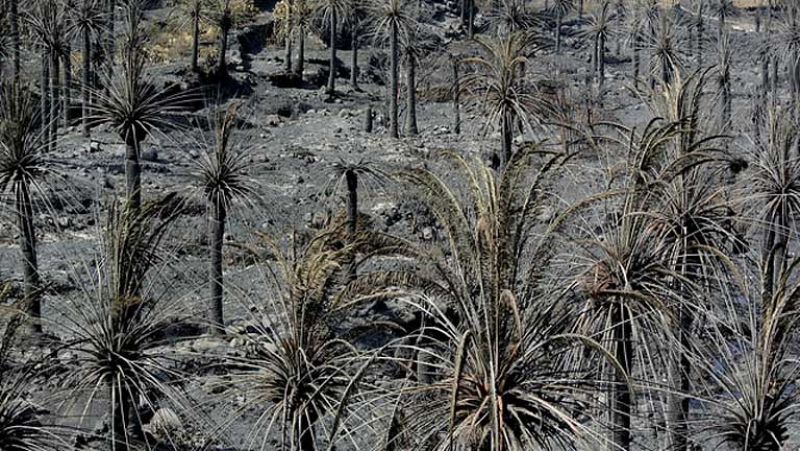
point(118, 332)
point(22, 426)
point(223, 18)
point(498, 326)
point(391, 20)
point(598, 32)
point(748, 373)
point(223, 179)
point(560, 9)
point(88, 21)
point(136, 109)
point(494, 84)
point(48, 22)
point(331, 12)
point(23, 164)
point(301, 379)
point(350, 174)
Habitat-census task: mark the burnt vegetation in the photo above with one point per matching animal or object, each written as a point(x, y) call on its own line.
point(396, 225)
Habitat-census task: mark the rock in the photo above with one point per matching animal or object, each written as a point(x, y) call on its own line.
point(64, 221)
point(94, 146)
point(150, 154)
point(273, 120)
point(427, 233)
point(165, 424)
point(345, 113)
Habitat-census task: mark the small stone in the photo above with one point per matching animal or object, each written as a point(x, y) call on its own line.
point(150, 154)
point(427, 234)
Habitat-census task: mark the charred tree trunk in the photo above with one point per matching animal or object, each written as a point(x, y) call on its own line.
point(133, 171)
point(67, 84)
point(354, 58)
point(13, 17)
point(507, 132)
point(393, 90)
point(196, 11)
point(621, 397)
point(226, 22)
point(301, 52)
point(27, 244)
point(55, 97)
point(411, 94)
point(44, 85)
point(456, 97)
point(216, 240)
point(558, 31)
point(86, 80)
point(332, 38)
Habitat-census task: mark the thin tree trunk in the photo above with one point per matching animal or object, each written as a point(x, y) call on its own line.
point(580, 9)
point(54, 97)
point(464, 14)
point(354, 58)
point(120, 405)
point(27, 244)
point(44, 85)
point(621, 400)
point(13, 16)
point(110, 39)
point(287, 58)
point(411, 94)
point(217, 234)
point(700, 36)
point(196, 11)
point(133, 171)
point(301, 52)
point(507, 137)
point(306, 431)
point(456, 98)
point(223, 44)
point(471, 19)
point(394, 92)
point(86, 80)
point(67, 84)
point(332, 66)
point(601, 65)
point(558, 31)
point(636, 60)
point(351, 179)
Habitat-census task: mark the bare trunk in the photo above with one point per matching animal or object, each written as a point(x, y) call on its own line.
point(393, 89)
point(332, 66)
point(54, 97)
point(196, 11)
point(110, 40)
point(301, 52)
point(67, 84)
point(217, 234)
point(44, 86)
point(27, 244)
point(471, 19)
point(133, 171)
point(456, 98)
point(120, 406)
point(223, 44)
point(354, 58)
point(86, 80)
point(621, 399)
point(411, 95)
point(13, 17)
point(507, 133)
point(558, 31)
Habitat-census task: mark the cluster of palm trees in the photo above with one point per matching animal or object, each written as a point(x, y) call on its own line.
point(654, 309)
